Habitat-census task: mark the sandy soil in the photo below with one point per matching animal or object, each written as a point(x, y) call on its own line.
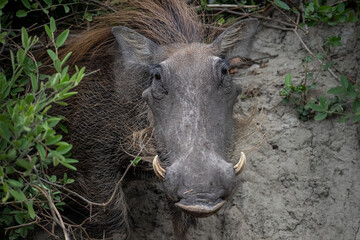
point(304, 181)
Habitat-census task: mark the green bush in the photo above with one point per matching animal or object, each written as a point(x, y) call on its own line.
point(29, 143)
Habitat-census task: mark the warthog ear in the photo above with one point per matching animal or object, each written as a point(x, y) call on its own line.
point(237, 39)
point(135, 48)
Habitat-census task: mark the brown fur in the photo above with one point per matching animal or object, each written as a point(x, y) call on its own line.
point(107, 120)
point(164, 22)
point(106, 127)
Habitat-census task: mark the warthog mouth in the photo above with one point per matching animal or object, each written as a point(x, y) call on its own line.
point(200, 210)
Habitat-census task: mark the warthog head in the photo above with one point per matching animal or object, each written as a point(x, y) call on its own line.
point(191, 96)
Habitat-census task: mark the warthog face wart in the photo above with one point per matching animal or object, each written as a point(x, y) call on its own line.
point(191, 97)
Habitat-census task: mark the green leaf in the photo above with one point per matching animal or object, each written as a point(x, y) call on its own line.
point(60, 204)
point(66, 58)
point(68, 166)
point(344, 82)
point(18, 195)
point(356, 105)
point(352, 17)
point(341, 7)
point(20, 220)
point(2, 36)
point(45, 10)
point(311, 7)
point(316, 107)
point(316, 3)
point(20, 56)
point(4, 199)
point(88, 16)
point(356, 118)
point(31, 209)
point(53, 121)
point(11, 155)
point(324, 9)
point(52, 178)
point(337, 107)
point(351, 95)
point(45, 110)
point(4, 131)
point(79, 75)
point(48, 2)
point(342, 119)
point(336, 90)
point(48, 31)
point(320, 116)
point(52, 25)
point(34, 82)
point(21, 13)
point(136, 162)
point(62, 38)
point(62, 103)
point(52, 54)
point(23, 163)
point(66, 95)
point(15, 183)
point(34, 5)
point(63, 128)
point(323, 102)
point(70, 180)
point(281, 4)
point(3, 3)
point(294, 10)
point(26, 4)
point(288, 80)
point(70, 160)
point(63, 149)
point(24, 38)
point(66, 9)
point(53, 139)
point(29, 98)
point(41, 151)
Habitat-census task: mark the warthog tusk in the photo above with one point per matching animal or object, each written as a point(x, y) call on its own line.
point(239, 167)
point(159, 171)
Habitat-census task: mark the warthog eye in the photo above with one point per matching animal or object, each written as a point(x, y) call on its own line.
point(224, 70)
point(157, 88)
point(224, 78)
point(157, 76)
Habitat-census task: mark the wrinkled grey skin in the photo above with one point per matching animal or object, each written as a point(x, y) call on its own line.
point(191, 96)
point(194, 124)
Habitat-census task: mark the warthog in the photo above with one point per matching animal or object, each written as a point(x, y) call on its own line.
point(157, 82)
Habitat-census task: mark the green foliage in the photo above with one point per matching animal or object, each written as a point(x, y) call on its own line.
point(281, 4)
point(27, 7)
point(331, 14)
point(136, 161)
point(322, 107)
point(29, 143)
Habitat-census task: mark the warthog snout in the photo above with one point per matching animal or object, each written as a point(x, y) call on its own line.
point(199, 188)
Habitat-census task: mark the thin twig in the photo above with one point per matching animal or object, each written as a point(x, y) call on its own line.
point(312, 54)
point(44, 228)
point(336, 69)
point(55, 213)
point(230, 6)
point(21, 225)
point(277, 27)
point(291, 20)
point(104, 5)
